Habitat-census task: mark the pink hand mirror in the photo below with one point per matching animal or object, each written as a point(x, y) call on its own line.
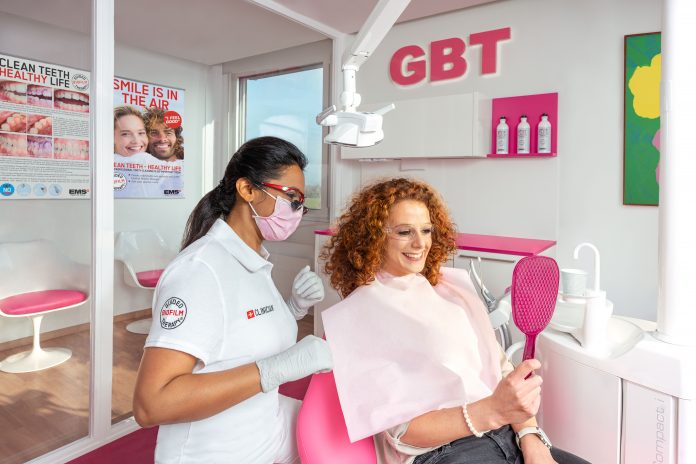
point(534, 293)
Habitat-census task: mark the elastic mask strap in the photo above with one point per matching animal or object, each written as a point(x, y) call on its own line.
point(254, 210)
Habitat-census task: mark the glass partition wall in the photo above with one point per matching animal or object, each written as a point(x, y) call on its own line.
point(47, 201)
point(108, 139)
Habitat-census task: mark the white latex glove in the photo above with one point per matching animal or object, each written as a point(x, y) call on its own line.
point(307, 290)
point(309, 355)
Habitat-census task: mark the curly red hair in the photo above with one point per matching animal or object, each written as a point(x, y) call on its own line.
point(354, 254)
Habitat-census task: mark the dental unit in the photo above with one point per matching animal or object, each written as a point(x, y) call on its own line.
point(619, 390)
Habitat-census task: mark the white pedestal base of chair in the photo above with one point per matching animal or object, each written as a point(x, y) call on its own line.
point(140, 327)
point(36, 359)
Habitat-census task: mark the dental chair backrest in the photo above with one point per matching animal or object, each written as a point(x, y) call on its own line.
point(321, 430)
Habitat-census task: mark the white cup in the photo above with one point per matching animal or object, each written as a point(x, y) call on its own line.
point(573, 282)
point(594, 330)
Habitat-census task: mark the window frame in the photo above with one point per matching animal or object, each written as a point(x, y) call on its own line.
point(310, 56)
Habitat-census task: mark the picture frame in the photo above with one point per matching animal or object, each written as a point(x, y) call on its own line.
point(641, 143)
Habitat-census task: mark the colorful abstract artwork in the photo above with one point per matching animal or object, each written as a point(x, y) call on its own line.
point(642, 69)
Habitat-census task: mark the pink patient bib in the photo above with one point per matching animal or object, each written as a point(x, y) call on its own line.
point(402, 347)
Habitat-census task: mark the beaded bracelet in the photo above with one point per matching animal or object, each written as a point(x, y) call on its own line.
point(470, 425)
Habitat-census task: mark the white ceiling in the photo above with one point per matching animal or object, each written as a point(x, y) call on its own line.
point(348, 15)
point(216, 31)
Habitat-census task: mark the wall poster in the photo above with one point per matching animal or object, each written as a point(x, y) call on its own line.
point(642, 68)
point(44, 134)
point(148, 140)
point(44, 130)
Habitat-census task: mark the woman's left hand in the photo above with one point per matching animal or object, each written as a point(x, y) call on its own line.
point(535, 452)
point(307, 290)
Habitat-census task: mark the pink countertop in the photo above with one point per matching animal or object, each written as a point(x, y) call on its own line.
point(492, 243)
point(323, 232)
point(504, 245)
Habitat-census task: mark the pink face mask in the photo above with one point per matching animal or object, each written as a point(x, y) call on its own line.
point(281, 223)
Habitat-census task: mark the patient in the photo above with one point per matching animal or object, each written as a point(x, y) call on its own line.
point(417, 365)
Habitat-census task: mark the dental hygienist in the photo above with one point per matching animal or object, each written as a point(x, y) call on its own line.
point(223, 339)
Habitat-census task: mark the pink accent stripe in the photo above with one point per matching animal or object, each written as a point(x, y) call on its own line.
point(38, 302)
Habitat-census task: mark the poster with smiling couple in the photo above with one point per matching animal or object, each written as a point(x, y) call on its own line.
point(148, 140)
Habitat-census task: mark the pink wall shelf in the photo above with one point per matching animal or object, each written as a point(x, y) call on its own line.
point(532, 106)
point(518, 155)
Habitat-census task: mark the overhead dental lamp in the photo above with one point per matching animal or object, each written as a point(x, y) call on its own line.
point(350, 127)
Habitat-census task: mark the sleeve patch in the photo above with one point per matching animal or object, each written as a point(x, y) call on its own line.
point(173, 313)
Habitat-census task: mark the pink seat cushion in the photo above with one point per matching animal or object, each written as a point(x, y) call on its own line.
point(38, 302)
point(149, 278)
point(321, 430)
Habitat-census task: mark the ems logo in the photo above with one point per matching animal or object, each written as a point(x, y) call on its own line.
point(250, 314)
point(173, 313)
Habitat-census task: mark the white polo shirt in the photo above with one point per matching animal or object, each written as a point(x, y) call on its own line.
point(216, 301)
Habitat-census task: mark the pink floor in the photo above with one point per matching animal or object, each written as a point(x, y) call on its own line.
point(135, 448)
point(139, 446)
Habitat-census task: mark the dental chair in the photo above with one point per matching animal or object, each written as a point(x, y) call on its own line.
point(144, 255)
point(37, 279)
point(321, 430)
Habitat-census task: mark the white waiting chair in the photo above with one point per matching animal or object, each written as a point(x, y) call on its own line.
point(144, 255)
point(37, 279)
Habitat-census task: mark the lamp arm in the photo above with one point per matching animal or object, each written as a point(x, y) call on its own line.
point(371, 34)
point(381, 19)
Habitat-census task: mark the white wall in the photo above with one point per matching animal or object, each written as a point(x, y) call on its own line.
point(67, 222)
point(573, 48)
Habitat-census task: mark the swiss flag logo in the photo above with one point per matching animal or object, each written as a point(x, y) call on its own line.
point(250, 314)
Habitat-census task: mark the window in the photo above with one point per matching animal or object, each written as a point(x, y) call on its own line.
point(285, 104)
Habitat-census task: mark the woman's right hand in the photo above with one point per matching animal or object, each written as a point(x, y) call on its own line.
point(517, 399)
point(309, 355)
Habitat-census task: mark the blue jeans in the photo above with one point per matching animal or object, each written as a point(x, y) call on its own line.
point(495, 447)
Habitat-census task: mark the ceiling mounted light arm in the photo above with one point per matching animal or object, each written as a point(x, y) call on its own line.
point(349, 126)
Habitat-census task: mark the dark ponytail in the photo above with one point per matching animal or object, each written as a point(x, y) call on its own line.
point(258, 160)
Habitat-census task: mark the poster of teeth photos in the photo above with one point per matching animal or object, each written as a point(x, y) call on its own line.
point(44, 130)
point(148, 140)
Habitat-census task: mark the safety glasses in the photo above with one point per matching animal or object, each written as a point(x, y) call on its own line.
point(295, 196)
point(406, 232)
